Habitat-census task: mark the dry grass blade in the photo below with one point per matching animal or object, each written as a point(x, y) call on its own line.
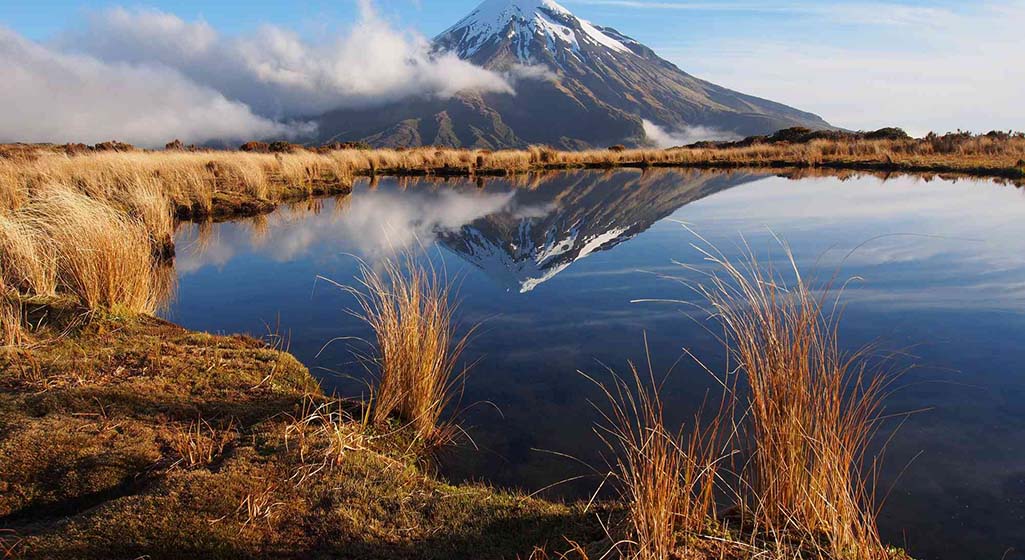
point(259, 505)
point(667, 479)
point(199, 444)
point(813, 409)
point(104, 256)
point(322, 434)
point(575, 552)
point(409, 307)
point(28, 261)
point(10, 317)
point(10, 542)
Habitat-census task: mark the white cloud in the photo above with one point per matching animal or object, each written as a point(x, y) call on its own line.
point(276, 71)
point(683, 136)
point(383, 222)
point(50, 96)
point(538, 72)
point(146, 77)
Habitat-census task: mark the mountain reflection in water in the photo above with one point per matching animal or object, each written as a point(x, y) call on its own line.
point(520, 232)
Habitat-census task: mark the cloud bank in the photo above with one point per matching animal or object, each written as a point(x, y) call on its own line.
point(275, 71)
point(145, 76)
point(683, 136)
point(52, 96)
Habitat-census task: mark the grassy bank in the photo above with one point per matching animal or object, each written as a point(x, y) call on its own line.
point(124, 436)
point(129, 437)
point(205, 184)
point(193, 185)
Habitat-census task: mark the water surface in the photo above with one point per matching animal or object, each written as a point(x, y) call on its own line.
point(551, 265)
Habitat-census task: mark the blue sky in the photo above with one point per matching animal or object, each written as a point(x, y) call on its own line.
point(925, 65)
point(671, 23)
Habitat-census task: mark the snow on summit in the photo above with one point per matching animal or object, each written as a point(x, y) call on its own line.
point(523, 21)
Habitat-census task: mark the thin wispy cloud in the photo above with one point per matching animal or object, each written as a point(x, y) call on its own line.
point(668, 138)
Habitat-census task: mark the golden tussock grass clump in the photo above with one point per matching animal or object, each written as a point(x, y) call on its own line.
point(149, 205)
point(28, 260)
point(100, 242)
point(424, 159)
point(188, 180)
point(12, 192)
point(10, 317)
point(409, 307)
point(813, 410)
point(104, 257)
point(667, 478)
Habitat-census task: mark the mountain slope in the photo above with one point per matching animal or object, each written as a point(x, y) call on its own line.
point(577, 85)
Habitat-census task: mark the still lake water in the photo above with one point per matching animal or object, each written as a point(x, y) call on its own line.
point(551, 264)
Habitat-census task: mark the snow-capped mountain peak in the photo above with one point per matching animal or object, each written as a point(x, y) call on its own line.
point(577, 85)
point(526, 24)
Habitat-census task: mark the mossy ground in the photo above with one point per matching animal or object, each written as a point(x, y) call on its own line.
point(132, 437)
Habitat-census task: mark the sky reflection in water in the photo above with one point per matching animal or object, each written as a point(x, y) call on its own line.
point(552, 263)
